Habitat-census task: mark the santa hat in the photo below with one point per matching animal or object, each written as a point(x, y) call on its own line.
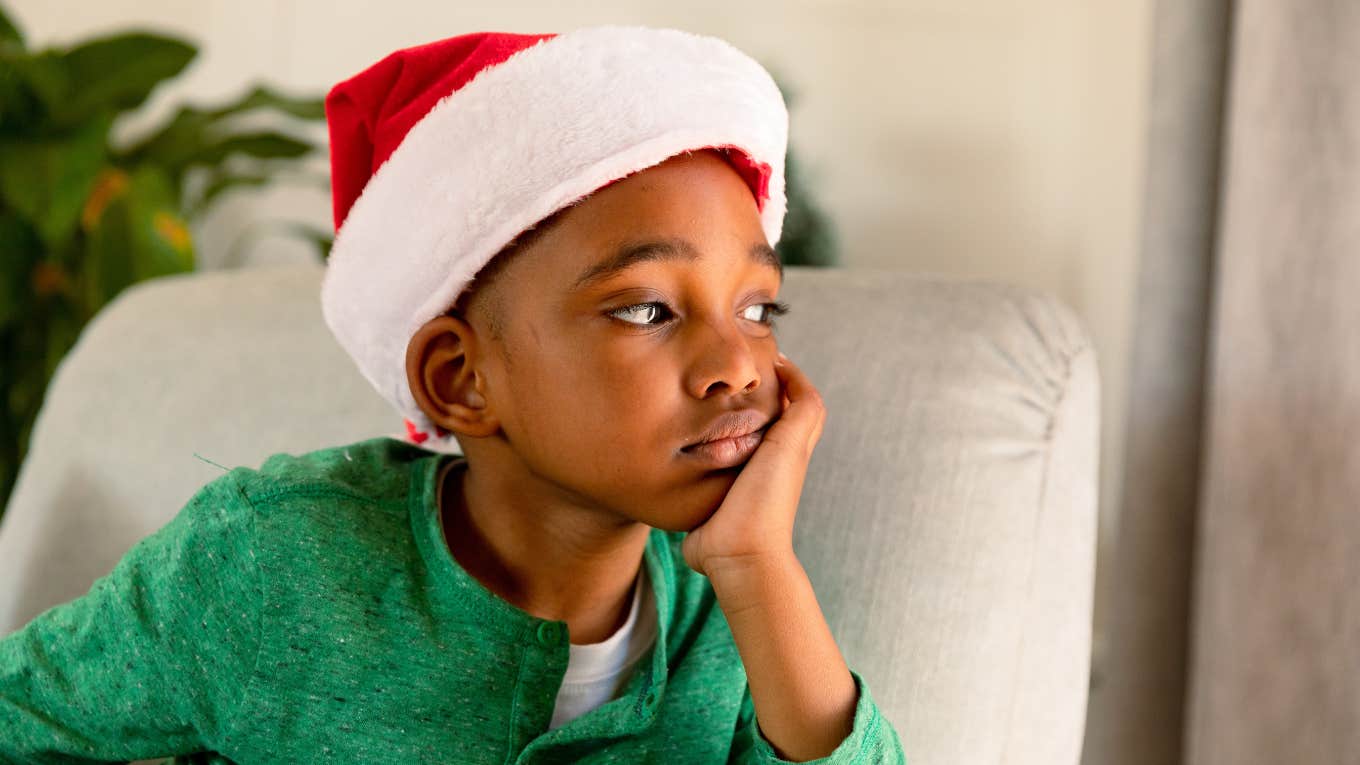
point(441, 154)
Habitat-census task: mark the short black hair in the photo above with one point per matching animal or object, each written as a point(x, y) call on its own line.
point(483, 291)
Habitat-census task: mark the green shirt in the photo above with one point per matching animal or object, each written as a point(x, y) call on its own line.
point(310, 611)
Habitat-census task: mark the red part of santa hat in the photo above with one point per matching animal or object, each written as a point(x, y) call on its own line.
point(443, 153)
point(371, 112)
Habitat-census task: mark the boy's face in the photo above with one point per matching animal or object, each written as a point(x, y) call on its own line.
point(602, 376)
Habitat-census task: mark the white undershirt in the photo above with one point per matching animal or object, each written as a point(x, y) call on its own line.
point(597, 672)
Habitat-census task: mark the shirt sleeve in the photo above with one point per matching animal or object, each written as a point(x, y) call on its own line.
point(872, 740)
point(154, 659)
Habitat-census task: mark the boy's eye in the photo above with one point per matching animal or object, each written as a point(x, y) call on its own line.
point(765, 312)
point(649, 312)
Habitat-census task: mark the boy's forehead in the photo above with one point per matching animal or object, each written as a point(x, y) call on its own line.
point(634, 251)
point(684, 210)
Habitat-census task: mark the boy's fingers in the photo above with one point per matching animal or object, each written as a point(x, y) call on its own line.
point(797, 385)
point(805, 412)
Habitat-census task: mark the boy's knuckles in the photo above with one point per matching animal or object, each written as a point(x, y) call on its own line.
point(815, 401)
point(796, 448)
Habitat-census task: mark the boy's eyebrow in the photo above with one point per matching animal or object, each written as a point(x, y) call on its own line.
point(633, 253)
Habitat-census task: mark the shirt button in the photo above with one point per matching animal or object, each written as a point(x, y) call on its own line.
point(548, 634)
point(650, 701)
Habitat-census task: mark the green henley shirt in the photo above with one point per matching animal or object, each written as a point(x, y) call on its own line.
point(310, 612)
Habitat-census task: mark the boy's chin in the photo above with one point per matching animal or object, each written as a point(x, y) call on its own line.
point(699, 504)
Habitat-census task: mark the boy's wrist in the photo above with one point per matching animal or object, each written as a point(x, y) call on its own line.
point(803, 693)
point(750, 581)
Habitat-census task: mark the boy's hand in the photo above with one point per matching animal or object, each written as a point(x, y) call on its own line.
point(754, 524)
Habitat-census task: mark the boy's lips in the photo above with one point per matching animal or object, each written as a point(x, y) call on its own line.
point(730, 439)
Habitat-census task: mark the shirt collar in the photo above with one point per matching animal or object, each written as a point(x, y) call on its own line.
point(459, 590)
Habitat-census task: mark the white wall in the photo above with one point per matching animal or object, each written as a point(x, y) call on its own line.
point(978, 138)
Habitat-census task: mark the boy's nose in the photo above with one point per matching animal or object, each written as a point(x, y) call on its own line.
point(723, 360)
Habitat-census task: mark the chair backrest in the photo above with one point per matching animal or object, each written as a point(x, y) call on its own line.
point(948, 520)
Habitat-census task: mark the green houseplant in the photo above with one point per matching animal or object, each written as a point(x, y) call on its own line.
point(82, 218)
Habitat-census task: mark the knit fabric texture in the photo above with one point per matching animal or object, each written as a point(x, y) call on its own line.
point(310, 611)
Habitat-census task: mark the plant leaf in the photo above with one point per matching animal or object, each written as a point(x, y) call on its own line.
point(139, 236)
point(262, 97)
point(48, 180)
point(25, 341)
point(30, 86)
point(22, 251)
point(63, 329)
point(222, 181)
point(117, 73)
point(225, 182)
point(173, 144)
point(20, 107)
point(189, 141)
point(263, 145)
point(10, 35)
point(192, 128)
point(108, 256)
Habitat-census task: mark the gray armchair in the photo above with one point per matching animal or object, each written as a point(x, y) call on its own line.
point(948, 520)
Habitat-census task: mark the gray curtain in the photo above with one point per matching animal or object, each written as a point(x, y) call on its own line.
point(1276, 625)
point(1233, 638)
point(1136, 711)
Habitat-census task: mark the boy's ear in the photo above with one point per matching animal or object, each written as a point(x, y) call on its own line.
point(441, 370)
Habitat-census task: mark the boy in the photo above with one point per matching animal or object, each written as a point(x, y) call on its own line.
point(606, 574)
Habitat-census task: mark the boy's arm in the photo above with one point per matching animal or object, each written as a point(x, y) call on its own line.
point(153, 660)
point(811, 706)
